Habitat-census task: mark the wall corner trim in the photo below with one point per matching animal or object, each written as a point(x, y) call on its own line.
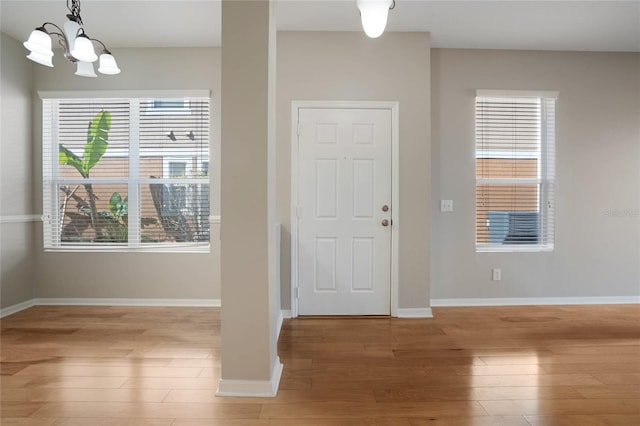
point(10, 310)
point(414, 313)
point(284, 314)
point(252, 388)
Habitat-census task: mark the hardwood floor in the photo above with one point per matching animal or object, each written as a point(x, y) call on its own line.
point(512, 366)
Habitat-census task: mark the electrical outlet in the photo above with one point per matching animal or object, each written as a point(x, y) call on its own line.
point(496, 274)
point(446, 205)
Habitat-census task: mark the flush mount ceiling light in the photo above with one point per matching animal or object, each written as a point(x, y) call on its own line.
point(374, 15)
point(78, 47)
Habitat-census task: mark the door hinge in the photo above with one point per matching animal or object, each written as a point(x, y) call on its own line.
point(298, 211)
point(295, 292)
point(299, 129)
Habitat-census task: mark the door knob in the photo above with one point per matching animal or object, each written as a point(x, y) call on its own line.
point(385, 208)
point(385, 222)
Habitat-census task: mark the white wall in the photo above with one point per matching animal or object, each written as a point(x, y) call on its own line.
point(350, 66)
point(598, 171)
point(134, 275)
point(16, 172)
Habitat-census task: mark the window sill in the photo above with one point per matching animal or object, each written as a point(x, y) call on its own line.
point(513, 248)
point(182, 248)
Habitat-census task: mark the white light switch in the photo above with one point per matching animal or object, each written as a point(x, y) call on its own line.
point(446, 205)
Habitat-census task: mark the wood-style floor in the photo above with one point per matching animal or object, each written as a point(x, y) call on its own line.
point(94, 366)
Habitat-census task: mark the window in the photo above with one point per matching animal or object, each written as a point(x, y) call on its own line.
point(515, 163)
point(126, 173)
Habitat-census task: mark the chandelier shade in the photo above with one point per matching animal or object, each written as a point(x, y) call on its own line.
point(108, 64)
point(78, 46)
point(374, 15)
point(46, 60)
point(85, 69)
point(39, 42)
point(83, 49)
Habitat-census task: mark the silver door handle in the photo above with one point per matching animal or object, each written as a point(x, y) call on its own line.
point(385, 222)
point(385, 208)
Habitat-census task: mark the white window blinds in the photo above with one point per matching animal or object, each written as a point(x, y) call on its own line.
point(515, 138)
point(126, 173)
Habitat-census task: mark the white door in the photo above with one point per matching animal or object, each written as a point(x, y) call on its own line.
point(344, 211)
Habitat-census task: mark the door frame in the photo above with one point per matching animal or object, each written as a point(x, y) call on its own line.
point(392, 106)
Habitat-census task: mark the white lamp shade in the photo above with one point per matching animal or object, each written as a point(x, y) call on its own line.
point(39, 43)
point(374, 16)
point(83, 49)
point(85, 69)
point(108, 64)
point(45, 60)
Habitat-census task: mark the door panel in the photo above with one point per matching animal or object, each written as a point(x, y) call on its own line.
point(344, 180)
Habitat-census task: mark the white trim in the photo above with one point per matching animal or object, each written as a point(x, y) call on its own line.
point(295, 119)
point(525, 301)
point(394, 107)
point(513, 181)
point(196, 248)
point(415, 313)
point(252, 388)
point(549, 94)
point(282, 315)
point(79, 301)
point(279, 322)
point(163, 93)
point(214, 219)
point(22, 218)
point(395, 207)
point(513, 248)
point(10, 310)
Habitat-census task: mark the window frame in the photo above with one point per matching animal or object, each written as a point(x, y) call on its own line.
point(545, 181)
point(52, 240)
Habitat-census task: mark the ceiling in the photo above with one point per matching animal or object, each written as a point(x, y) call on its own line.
point(533, 25)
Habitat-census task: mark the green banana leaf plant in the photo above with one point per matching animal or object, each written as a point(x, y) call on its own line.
point(95, 148)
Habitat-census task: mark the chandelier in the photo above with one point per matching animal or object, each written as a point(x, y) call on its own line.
point(78, 47)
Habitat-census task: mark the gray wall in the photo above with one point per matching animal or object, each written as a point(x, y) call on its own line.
point(598, 165)
point(16, 172)
point(134, 275)
point(598, 173)
point(350, 66)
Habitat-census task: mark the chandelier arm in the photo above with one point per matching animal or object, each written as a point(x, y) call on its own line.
point(104, 48)
point(61, 33)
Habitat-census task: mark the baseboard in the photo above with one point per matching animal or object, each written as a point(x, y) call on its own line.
point(9, 310)
point(414, 313)
point(525, 301)
point(284, 314)
point(77, 301)
point(252, 388)
point(279, 324)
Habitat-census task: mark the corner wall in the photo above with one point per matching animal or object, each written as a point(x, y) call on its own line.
point(597, 241)
point(348, 66)
point(16, 176)
point(134, 275)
